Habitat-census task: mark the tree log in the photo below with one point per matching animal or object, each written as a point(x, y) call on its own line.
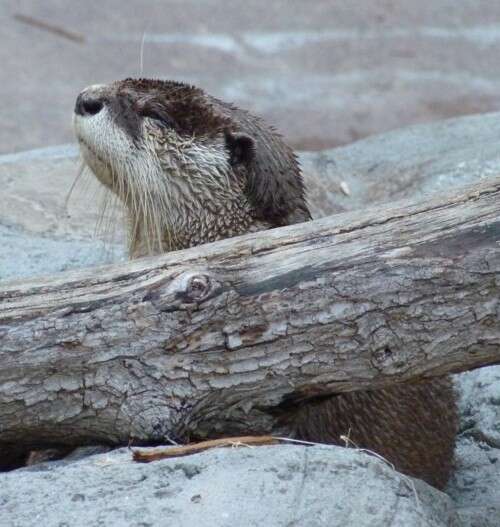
point(214, 339)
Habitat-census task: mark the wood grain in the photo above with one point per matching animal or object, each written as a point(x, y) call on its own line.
point(215, 339)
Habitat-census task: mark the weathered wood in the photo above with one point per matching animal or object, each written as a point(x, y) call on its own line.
point(215, 338)
point(146, 456)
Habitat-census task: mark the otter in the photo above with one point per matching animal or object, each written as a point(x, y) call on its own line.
point(190, 169)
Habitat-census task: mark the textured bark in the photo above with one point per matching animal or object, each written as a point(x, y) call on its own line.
point(215, 338)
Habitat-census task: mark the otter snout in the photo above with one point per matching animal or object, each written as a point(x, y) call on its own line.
point(90, 101)
point(86, 105)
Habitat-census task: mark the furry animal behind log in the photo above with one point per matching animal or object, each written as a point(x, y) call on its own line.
point(192, 169)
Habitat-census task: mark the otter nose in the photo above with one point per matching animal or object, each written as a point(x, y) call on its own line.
point(87, 104)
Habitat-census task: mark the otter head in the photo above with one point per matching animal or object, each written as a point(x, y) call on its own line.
point(188, 168)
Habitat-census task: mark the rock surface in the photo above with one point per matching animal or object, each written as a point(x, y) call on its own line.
point(409, 163)
point(277, 486)
point(475, 483)
point(326, 72)
point(41, 230)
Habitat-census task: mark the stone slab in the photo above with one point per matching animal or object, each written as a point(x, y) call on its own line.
point(280, 486)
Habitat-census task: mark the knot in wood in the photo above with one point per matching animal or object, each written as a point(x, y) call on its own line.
point(382, 356)
point(198, 287)
point(387, 355)
point(194, 287)
point(184, 291)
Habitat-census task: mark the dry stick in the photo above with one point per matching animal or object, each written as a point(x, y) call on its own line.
point(143, 456)
point(51, 28)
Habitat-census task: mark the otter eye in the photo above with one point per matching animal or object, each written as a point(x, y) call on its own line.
point(158, 115)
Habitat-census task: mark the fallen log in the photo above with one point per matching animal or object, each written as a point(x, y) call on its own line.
point(212, 340)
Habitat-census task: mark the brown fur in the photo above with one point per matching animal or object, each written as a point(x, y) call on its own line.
point(412, 425)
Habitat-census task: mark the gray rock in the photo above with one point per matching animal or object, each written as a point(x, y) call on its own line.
point(326, 73)
point(410, 163)
point(475, 482)
point(273, 486)
point(43, 228)
point(25, 255)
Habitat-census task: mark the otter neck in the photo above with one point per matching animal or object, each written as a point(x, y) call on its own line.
point(190, 226)
point(192, 196)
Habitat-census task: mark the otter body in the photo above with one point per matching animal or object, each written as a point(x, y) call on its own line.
point(191, 169)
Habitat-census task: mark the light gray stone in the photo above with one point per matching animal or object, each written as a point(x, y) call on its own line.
point(325, 72)
point(275, 486)
point(45, 226)
point(409, 163)
point(475, 482)
point(25, 255)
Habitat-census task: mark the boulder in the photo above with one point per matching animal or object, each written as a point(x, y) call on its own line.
point(279, 486)
point(474, 484)
point(325, 73)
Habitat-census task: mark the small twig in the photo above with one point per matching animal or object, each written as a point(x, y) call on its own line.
point(143, 456)
point(51, 28)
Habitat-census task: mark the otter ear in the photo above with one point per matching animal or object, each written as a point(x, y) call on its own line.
point(241, 148)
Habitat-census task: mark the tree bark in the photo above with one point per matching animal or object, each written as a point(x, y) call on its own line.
point(215, 338)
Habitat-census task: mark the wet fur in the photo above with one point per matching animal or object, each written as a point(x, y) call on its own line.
point(192, 169)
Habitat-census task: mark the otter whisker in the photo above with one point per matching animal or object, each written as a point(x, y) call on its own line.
point(80, 170)
point(141, 58)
